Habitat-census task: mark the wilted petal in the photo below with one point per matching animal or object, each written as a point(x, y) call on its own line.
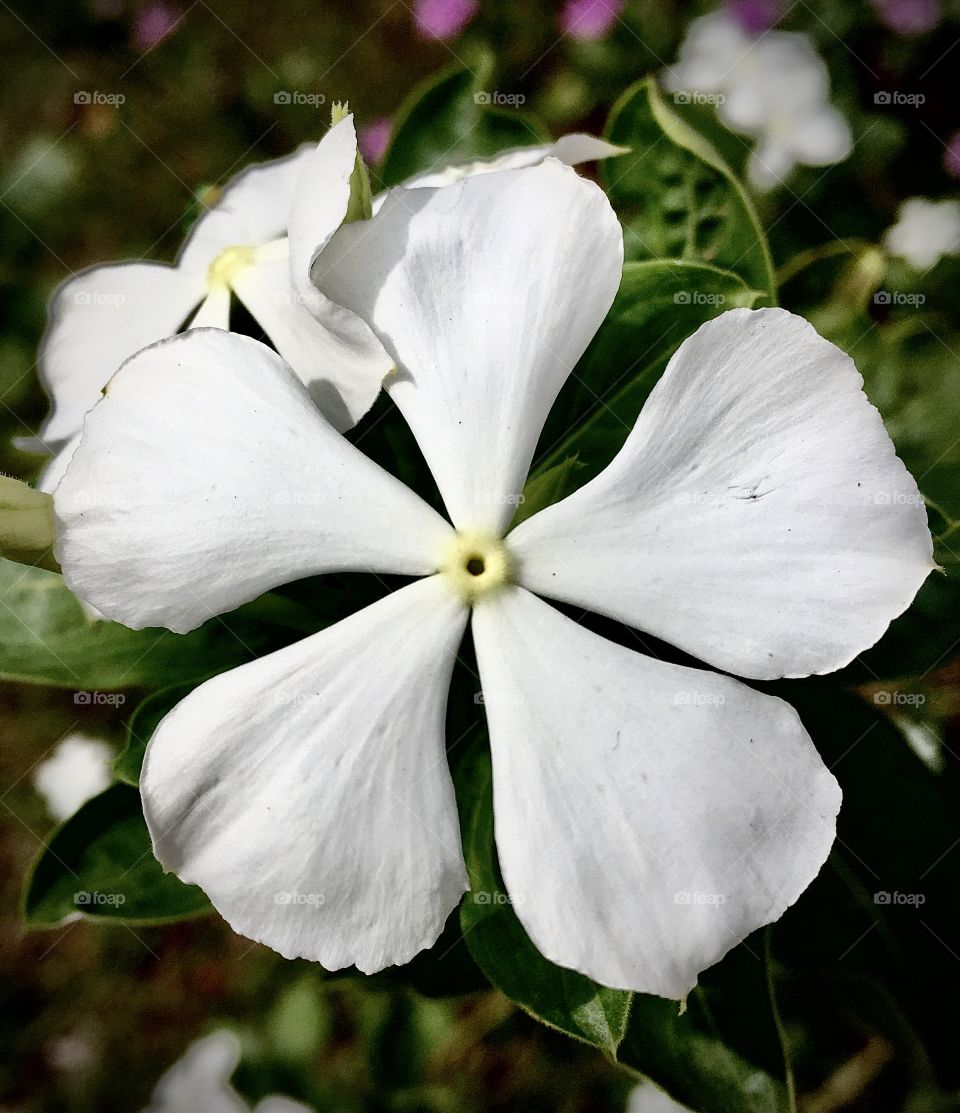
point(757, 516)
point(647, 816)
point(206, 476)
point(308, 794)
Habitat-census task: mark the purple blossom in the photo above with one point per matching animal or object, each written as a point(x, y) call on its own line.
point(443, 19)
point(951, 159)
point(589, 20)
point(908, 17)
point(152, 24)
point(374, 138)
point(756, 17)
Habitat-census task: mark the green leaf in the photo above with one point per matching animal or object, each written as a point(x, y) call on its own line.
point(46, 638)
point(546, 487)
point(447, 119)
point(677, 197)
point(140, 727)
point(659, 304)
point(26, 523)
point(695, 1065)
point(99, 865)
point(501, 948)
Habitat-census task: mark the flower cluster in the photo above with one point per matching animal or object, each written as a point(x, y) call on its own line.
point(757, 518)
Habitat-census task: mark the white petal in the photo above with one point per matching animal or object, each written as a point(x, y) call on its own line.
point(570, 149)
point(253, 209)
point(76, 771)
point(757, 515)
point(277, 1104)
point(200, 1080)
point(647, 816)
point(308, 794)
point(55, 468)
point(214, 311)
point(770, 163)
point(319, 205)
point(485, 293)
point(207, 476)
point(342, 385)
point(98, 319)
point(822, 138)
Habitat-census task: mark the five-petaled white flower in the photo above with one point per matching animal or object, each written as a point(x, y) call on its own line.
point(105, 314)
point(774, 87)
point(648, 816)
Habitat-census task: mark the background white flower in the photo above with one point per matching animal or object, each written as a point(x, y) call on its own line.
point(76, 771)
point(105, 314)
point(925, 231)
point(648, 816)
point(775, 88)
point(199, 1082)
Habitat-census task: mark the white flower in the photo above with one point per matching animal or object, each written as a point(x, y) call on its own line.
point(648, 816)
point(648, 1098)
point(775, 88)
point(200, 1082)
point(103, 315)
point(76, 771)
point(925, 231)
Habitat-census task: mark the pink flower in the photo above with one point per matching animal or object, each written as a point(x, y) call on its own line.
point(374, 138)
point(589, 20)
point(909, 17)
point(153, 24)
point(755, 16)
point(443, 19)
point(951, 160)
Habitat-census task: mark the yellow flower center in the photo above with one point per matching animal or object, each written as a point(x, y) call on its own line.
point(476, 563)
point(226, 265)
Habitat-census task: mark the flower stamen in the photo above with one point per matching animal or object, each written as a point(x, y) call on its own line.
point(476, 564)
